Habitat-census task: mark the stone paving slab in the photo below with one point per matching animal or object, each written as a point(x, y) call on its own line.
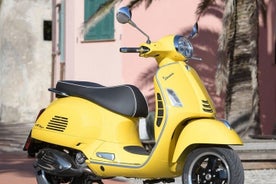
point(13, 135)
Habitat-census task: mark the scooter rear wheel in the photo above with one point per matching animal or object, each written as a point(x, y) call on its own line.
point(213, 165)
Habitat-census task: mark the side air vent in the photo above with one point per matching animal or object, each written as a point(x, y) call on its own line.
point(206, 107)
point(58, 123)
point(160, 111)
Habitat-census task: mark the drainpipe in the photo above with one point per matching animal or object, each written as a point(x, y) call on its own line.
point(57, 7)
point(54, 50)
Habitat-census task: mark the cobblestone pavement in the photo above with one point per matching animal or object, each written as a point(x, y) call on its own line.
point(260, 176)
point(251, 177)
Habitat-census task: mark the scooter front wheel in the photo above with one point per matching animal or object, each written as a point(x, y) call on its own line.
point(213, 165)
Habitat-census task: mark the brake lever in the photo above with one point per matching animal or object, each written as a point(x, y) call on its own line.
point(196, 58)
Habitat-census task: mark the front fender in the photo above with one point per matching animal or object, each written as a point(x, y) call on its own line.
point(205, 131)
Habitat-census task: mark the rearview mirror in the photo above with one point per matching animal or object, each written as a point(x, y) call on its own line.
point(194, 31)
point(123, 15)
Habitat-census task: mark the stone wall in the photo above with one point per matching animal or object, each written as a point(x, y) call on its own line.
point(25, 59)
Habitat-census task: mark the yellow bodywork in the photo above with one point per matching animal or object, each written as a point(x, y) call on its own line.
point(89, 128)
point(185, 116)
point(163, 51)
point(205, 131)
point(84, 123)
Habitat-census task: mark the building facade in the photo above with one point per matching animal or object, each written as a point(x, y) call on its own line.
point(94, 56)
point(99, 60)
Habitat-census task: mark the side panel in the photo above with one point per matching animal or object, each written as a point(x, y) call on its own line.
point(205, 131)
point(73, 121)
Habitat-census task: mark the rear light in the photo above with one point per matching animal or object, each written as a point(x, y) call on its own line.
point(29, 139)
point(28, 142)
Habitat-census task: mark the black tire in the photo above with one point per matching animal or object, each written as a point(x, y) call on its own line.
point(213, 165)
point(52, 179)
point(86, 179)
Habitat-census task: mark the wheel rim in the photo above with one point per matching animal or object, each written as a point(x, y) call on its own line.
point(209, 168)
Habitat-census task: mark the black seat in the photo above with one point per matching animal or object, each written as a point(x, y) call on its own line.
point(124, 99)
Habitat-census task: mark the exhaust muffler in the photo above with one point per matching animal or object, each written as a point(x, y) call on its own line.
point(57, 163)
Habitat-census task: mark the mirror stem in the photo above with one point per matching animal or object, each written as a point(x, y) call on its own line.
point(134, 25)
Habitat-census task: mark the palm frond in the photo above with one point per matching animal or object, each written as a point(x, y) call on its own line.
point(103, 10)
point(148, 3)
point(203, 6)
point(135, 3)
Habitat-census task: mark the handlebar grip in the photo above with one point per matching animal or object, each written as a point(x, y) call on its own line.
point(130, 49)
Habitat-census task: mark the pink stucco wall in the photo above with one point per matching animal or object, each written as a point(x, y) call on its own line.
point(267, 70)
point(163, 18)
point(92, 61)
point(101, 61)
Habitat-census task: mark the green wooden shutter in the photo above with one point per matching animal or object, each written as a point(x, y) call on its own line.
point(104, 30)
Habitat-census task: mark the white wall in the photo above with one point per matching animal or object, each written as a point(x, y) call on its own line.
point(25, 59)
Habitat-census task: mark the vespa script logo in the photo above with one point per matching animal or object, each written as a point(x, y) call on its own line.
point(39, 125)
point(168, 76)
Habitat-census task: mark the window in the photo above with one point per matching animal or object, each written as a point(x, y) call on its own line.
point(47, 30)
point(104, 30)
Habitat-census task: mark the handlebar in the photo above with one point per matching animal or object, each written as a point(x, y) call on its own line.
point(134, 49)
point(130, 49)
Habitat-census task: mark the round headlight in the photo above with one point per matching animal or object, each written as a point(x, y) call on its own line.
point(183, 46)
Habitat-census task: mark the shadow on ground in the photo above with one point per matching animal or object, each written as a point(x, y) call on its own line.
point(17, 163)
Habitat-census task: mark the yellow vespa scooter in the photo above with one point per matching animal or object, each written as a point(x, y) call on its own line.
point(90, 132)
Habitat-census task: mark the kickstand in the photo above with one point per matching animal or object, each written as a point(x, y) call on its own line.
point(163, 180)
